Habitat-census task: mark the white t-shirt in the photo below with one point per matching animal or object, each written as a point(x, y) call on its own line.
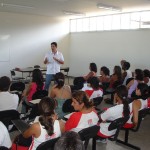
point(4, 136)
point(129, 75)
point(53, 66)
point(8, 101)
point(44, 136)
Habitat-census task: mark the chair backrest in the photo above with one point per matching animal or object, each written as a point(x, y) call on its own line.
point(48, 145)
point(40, 94)
point(37, 66)
point(17, 86)
point(117, 124)
point(88, 133)
point(7, 115)
point(66, 69)
point(67, 107)
point(12, 73)
point(142, 114)
point(97, 101)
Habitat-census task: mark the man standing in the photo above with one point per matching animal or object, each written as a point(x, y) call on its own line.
point(53, 60)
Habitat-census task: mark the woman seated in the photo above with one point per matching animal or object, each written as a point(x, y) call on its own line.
point(147, 77)
point(36, 84)
point(133, 83)
point(85, 116)
point(95, 90)
point(92, 73)
point(60, 92)
point(122, 109)
point(126, 72)
point(47, 127)
point(142, 91)
point(105, 75)
point(116, 78)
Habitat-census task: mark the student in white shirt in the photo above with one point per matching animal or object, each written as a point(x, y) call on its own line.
point(53, 60)
point(8, 101)
point(4, 136)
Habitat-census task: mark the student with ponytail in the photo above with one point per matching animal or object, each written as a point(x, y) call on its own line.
point(60, 92)
point(46, 126)
point(142, 91)
point(85, 116)
point(122, 109)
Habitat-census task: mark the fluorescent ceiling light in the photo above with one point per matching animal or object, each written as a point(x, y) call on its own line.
point(73, 13)
point(15, 5)
point(109, 7)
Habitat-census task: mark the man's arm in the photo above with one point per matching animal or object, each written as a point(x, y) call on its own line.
point(59, 61)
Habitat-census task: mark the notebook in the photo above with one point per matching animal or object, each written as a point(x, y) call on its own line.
point(21, 125)
point(36, 101)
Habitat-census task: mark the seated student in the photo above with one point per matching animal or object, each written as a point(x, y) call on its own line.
point(47, 127)
point(7, 100)
point(126, 72)
point(146, 76)
point(95, 90)
point(142, 91)
point(36, 84)
point(92, 73)
point(4, 136)
point(60, 92)
point(133, 83)
point(116, 77)
point(105, 75)
point(85, 116)
point(70, 140)
point(122, 109)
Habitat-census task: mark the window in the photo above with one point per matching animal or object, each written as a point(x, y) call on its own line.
point(134, 20)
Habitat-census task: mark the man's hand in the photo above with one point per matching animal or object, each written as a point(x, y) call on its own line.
point(46, 61)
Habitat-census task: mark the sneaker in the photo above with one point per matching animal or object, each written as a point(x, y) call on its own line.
point(104, 141)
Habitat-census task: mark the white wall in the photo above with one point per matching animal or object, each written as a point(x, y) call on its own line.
point(108, 48)
point(28, 38)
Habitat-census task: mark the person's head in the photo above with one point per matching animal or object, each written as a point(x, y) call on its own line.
point(93, 67)
point(54, 46)
point(121, 94)
point(60, 80)
point(80, 100)
point(37, 77)
point(117, 71)
point(47, 113)
point(126, 66)
point(142, 90)
point(139, 74)
point(69, 141)
point(122, 62)
point(94, 82)
point(146, 73)
point(4, 83)
point(104, 71)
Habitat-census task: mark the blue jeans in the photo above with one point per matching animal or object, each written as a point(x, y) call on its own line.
point(49, 77)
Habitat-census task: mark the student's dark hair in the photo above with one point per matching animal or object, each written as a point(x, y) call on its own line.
point(117, 71)
point(126, 65)
point(146, 73)
point(82, 97)
point(70, 140)
point(54, 43)
point(4, 83)
point(4, 148)
point(37, 77)
point(144, 89)
point(93, 67)
point(60, 80)
point(46, 109)
point(122, 93)
point(105, 70)
point(139, 74)
point(94, 82)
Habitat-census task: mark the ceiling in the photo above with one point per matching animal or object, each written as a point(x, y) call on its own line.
point(55, 8)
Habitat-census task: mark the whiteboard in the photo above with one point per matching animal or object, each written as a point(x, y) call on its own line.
point(4, 48)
